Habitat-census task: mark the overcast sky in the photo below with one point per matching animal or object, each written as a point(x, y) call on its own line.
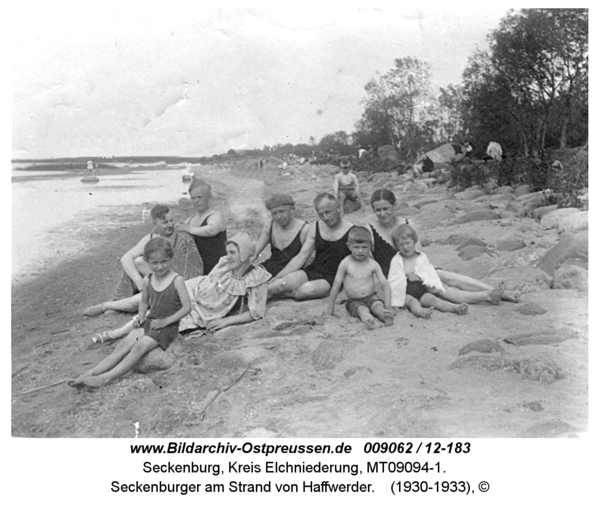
point(193, 82)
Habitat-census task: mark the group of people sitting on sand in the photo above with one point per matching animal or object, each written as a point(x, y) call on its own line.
point(191, 276)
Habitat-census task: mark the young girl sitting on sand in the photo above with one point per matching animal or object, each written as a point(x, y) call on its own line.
point(165, 301)
point(234, 292)
point(413, 279)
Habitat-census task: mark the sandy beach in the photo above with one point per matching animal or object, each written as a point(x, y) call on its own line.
point(511, 370)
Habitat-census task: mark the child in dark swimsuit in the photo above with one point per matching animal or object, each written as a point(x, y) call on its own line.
point(165, 302)
point(234, 292)
point(414, 280)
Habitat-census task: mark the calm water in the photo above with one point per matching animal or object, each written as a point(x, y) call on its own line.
point(49, 209)
point(49, 206)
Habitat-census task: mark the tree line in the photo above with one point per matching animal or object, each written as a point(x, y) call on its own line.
point(527, 90)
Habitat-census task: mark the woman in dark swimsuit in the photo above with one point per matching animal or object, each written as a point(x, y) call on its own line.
point(207, 227)
point(459, 288)
point(283, 228)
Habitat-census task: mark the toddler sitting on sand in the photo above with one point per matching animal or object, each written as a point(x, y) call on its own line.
point(413, 279)
point(357, 274)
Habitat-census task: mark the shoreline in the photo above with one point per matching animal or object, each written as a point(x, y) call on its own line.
point(311, 376)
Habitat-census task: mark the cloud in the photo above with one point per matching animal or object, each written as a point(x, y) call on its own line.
point(118, 82)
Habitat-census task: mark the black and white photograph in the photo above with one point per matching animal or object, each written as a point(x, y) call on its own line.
point(297, 223)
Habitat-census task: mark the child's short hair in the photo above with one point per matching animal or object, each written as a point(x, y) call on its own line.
point(158, 244)
point(159, 211)
point(359, 235)
point(404, 230)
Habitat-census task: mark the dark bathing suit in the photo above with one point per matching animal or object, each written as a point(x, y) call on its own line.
point(383, 252)
point(416, 289)
point(211, 248)
point(281, 257)
point(328, 256)
point(162, 304)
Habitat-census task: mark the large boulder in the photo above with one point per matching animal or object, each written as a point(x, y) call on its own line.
point(540, 212)
point(552, 219)
point(477, 215)
point(503, 190)
point(570, 277)
point(571, 246)
point(433, 216)
point(523, 278)
point(510, 243)
point(523, 189)
point(473, 251)
point(574, 222)
point(469, 194)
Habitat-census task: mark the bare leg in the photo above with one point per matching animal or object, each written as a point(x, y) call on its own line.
point(114, 358)
point(312, 289)
point(416, 308)
point(130, 304)
point(430, 300)
point(124, 330)
point(384, 315)
point(455, 295)
point(462, 282)
point(286, 286)
point(142, 347)
point(466, 283)
point(342, 199)
point(365, 316)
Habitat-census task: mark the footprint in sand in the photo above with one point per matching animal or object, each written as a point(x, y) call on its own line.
point(401, 341)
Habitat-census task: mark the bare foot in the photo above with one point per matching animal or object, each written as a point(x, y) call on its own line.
point(495, 296)
point(461, 309)
point(94, 310)
point(96, 381)
point(426, 313)
point(388, 317)
point(370, 323)
point(79, 381)
point(513, 298)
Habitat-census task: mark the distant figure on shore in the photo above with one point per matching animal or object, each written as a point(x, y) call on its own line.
point(346, 186)
point(90, 176)
point(208, 227)
point(165, 301)
point(446, 153)
point(493, 152)
point(186, 260)
point(285, 233)
point(328, 238)
point(357, 274)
